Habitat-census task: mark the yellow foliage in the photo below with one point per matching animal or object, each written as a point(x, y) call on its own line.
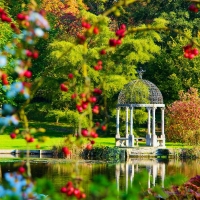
point(59, 7)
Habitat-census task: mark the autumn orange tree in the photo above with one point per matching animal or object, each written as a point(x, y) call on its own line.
point(183, 118)
point(65, 14)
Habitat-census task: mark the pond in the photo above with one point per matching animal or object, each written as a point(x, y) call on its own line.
point(59, 171)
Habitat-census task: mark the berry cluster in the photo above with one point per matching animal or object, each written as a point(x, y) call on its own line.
point(193, 8)
point(70, 190)
point(190, 52)
point(18, 185)
point(92, 134)
point(86, 133)
point(64, 87)
point(98, 66)
point(4, 79)
point(28, 135)
point(29, 26)
point(89, 29)
point(120, 33)
point(5, 18)
point(83, 99)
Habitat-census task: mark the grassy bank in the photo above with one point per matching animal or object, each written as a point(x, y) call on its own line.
point(56, 134)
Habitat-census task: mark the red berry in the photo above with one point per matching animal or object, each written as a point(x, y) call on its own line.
point(28, 74)
point(63, 87)
point(35, 55)
point(21, 170)
point(66, 151)
point(82, 38)
point(193, 8)
point(123, 26)
point(84, 132)
point(196, 10)
point(83, 24)
point(88, 26)
point(99, 62)
point(63, 189)
point(1, 10)
point(191, 56)
point(74, 96)
point(93, 99)
point(113, 42)
point(5, 82)
point(13, 135)
point(4, 17)
point(118, 42)
point(13, 26)
point(93, 134)
point(103, 128)
point(8, 20)
point(97, 91)
point(96, 30)
point(83, 196)
point(42, 12)
point(31, 139)
point(4, 76)
point(70, 76)
point(21, 16)
point(29, 53)
point(195, 51)
point(79, 108)
point(96, 67)
point(92, 142)
point(97, 123)
point(82, 95)
point(103, 52)
point(70, 191)
point(186, 55)
point(69, 184)
point(89, 147)
point(95, 109)
point(84, 105)
point(120, 33)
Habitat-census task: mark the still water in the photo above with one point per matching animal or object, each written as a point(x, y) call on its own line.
point(59, 171)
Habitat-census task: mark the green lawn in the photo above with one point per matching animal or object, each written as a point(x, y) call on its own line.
point(7, 143)
point(57, 133)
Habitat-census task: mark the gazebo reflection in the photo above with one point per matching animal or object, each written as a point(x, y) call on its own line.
point(128, 169)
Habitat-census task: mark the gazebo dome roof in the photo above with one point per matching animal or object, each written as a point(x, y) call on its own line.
point(140, 91)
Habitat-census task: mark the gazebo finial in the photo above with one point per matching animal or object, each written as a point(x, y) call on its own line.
point(141, 72)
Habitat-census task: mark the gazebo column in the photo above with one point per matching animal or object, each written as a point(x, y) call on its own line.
point(127, 135)
point(154, 142)
point(117, 175)
point(162, 126)
point(162, 174)
point(127, 179)
point(148, 136)
point(117, 142)
point(149, 176)
point(131, 136)
point(154, 173)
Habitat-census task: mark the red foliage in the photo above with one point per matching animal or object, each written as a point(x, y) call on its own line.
point(183, 117)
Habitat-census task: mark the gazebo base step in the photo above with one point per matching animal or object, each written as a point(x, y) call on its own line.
point(147, 152)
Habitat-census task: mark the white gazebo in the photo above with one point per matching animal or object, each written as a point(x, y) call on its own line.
point(140, 93)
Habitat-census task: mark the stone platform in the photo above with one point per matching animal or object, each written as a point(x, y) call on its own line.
point(148, 152)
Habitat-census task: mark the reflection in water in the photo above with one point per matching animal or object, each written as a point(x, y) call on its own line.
point(60, 171)
point(154, 168)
